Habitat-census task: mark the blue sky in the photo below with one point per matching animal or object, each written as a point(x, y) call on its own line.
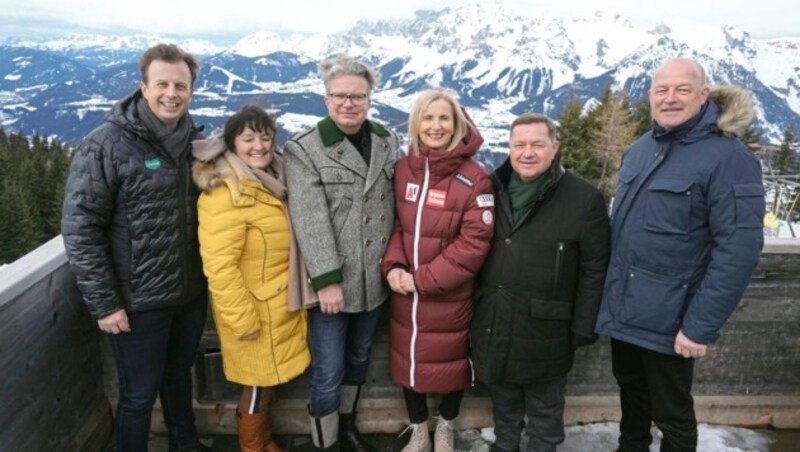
point(235, 18)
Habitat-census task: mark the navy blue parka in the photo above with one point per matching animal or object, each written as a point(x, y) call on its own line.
point(686, 228)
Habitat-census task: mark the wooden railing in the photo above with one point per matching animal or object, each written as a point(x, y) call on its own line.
point(57, 382)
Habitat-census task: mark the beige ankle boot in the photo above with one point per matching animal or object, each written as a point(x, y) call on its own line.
point(444, 436)
point(420, 440)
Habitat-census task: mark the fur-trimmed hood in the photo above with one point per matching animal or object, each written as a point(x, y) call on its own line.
point(208, 175)
point(736, 109)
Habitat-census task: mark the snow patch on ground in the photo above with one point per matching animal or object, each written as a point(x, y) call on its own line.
point(602, 437)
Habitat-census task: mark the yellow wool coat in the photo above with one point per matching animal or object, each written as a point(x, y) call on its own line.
point(244, 243)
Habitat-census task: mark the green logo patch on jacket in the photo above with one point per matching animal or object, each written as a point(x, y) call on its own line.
point(152, 164)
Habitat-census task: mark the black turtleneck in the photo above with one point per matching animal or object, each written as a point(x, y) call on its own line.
point(362, 142)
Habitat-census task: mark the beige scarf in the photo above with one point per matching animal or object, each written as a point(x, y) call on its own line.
point(301, 294)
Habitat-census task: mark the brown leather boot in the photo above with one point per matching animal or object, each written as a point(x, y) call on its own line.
point(251, 431)
point(272, 446)
point(269, 444)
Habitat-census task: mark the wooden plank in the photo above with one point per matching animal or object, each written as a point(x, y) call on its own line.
point(51, 390)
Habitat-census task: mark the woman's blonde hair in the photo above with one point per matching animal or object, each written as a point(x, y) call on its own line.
point(424, 99)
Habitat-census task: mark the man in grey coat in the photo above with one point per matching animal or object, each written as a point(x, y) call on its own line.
point(339, 176)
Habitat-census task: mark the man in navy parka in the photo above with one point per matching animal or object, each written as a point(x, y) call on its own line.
point(686, 235)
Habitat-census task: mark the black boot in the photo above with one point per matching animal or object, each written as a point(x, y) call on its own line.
point(350, 440)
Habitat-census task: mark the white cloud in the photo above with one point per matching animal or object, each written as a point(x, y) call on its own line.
point(766, 18)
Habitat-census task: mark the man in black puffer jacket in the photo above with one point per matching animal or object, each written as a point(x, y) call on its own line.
point(539, 290)
point(130, 230)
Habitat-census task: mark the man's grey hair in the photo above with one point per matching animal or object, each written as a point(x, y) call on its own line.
point(345, 65)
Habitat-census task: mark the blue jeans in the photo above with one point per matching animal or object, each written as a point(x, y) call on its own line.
point(340, 352)
point(155, 359)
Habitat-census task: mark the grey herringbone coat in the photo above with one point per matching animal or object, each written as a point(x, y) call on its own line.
point(342, 210)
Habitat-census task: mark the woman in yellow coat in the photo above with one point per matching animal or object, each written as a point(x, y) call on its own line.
point(255, 274)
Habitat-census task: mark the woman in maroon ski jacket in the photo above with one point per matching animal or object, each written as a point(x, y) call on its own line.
point(445, 221)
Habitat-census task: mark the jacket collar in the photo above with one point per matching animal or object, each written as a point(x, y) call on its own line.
point(331, 134)
point(502, 176)
point(729, 110)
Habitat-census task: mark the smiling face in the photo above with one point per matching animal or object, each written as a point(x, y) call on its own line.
point(168, 91)
point(344, 101)
point(531, 150)
point(254, 148)
point(677, 93)
point(437, 124)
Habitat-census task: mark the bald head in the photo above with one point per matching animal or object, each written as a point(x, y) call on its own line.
point(684, 64)
point(678, 91)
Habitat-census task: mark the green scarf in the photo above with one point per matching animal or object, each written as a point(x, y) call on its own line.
point(524, 194)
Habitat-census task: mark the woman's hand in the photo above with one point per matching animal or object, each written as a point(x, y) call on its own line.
point(394, 278)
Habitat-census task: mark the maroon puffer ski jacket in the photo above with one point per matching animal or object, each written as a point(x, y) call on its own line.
point(445, 221)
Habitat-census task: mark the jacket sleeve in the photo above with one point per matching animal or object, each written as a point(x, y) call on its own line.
point(311, 218)
point(736, 210)
point(221, 231)
point(594, 250)
point(86, 217)
point(395, 255)
point(463, 257)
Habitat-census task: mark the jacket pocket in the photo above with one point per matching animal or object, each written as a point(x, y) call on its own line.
point(551, 310)
point(668, 209)
point(340, 212)
point(653, 301)
point(336, 175)
point(626, 178)
point(565, 271)
point(749, 205)
point(270, 289)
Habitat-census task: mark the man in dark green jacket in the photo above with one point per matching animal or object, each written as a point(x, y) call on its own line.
point(540, 288)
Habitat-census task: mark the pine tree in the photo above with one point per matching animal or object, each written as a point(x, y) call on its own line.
point(611, 136)
point(32, 181)
point(18, 228)
point(574, 138)
point(641, 118)
point(752, 138)
point(786, 152)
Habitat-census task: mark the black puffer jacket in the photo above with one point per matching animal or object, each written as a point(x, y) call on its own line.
point(130, 218)
point(540, 288)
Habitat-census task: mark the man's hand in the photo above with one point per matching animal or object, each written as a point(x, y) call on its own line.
point(394, 278)
point(115, 323)
point(331, 299)
point(688, 348)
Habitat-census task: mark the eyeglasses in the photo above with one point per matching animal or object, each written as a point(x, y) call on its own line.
point(355, 99)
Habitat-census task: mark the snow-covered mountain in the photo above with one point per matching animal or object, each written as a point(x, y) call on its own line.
point(500, 60)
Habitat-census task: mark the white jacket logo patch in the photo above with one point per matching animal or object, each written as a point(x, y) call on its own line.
point(485, 200)
point(412, 191)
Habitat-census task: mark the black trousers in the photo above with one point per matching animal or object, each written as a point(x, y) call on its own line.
point(417, 405)
point(654, 387)
point(543, 405)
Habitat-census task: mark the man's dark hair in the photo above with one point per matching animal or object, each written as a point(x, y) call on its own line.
point(171, 54)
point(251, 116)
point(536, 118)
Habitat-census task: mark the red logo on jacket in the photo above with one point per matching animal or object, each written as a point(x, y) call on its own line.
point(412, 191)
point(436, 198)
